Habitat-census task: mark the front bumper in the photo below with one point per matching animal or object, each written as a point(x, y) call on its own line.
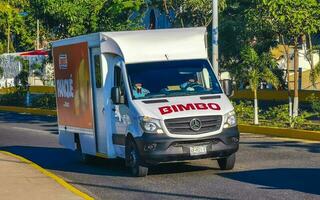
point(161, 148)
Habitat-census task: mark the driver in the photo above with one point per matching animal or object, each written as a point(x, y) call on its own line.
point(190, 85)
point(139, 91)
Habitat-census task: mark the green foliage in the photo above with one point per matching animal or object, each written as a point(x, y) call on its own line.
point(275, 116)
point(256, 68)
point(63, 18)
point(291, 18)
point(67, 18)
point(13, 99)
point(188, 13)
point(45, 101)
point(18, 98)
point(21, 80)
point(244, 111)
point(315, 103)
point(278, 115)
point(19, 27)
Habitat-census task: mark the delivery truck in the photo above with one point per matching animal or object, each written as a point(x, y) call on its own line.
point(148, 97)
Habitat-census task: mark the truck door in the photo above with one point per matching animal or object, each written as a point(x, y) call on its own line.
point(121, 114)
point(98, 98)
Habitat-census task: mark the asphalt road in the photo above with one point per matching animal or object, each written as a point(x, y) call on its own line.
point(266, 168)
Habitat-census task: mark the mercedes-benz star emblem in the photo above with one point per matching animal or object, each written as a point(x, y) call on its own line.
point(195, 124)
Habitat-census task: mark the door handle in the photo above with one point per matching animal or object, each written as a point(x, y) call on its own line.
point(113, 109)
point(103, 110)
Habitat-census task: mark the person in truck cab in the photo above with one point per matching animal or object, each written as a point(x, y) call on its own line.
point(191, 85)
point(139, 91)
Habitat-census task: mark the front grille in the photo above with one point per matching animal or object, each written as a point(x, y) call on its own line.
point(181, 126)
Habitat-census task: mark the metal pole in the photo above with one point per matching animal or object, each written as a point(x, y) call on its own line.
point(8, 38)
point(38, 36)
point(215, 47)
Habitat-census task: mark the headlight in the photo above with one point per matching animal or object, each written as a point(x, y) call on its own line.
point(150, 125)
point(230, 120)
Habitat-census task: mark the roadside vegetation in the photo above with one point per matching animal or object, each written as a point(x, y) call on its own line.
point(276, 115)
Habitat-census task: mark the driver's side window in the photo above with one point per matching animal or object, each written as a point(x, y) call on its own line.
point(118, 82)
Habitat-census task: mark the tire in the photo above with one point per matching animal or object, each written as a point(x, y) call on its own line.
point(227, 163)
point(133, 160)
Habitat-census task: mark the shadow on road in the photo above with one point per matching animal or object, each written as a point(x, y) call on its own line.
point(69, 161)
point(47, 122)
point(168, 194)
point(313, 148)
point(298, 179)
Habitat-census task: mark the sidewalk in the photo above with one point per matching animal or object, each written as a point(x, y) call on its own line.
point(19, 180)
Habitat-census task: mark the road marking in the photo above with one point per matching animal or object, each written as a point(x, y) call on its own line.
point(29, 129)
point(59, 180)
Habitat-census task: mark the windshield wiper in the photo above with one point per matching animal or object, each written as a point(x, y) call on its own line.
point(153, 96)
point(190, 94)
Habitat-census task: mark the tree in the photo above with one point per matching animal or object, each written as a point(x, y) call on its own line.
point(258, 69)
point(291, 19)
point(187, 13)
point(15, 32)
point(67, 18)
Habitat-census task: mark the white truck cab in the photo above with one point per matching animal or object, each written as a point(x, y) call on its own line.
point(144, 96)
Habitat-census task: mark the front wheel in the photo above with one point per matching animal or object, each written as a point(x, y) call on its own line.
point(228, 162)
point(133, 160)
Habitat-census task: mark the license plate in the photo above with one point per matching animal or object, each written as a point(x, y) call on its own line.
point(198, 150)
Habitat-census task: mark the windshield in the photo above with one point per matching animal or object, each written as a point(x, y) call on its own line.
point(172, 78)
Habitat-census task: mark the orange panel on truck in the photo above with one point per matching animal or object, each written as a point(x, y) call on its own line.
point(73, 86)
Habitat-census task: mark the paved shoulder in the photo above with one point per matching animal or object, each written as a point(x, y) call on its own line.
point(21, 181)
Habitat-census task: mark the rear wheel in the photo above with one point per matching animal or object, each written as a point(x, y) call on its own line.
point(133, 160)
point(86, 158)
point(228, 162)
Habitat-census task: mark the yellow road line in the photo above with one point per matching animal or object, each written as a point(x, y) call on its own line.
point(51, 175)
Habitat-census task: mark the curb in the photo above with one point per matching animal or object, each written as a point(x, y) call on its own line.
point(280, 132)
point(33, 111)
point(59, 180)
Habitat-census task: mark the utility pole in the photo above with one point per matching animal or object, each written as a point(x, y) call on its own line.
point(38, 36)
point(8, 37)
point(9, 31)
point(215, 47)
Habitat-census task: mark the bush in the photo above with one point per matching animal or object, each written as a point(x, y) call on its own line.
point(18, 98)
point(278, 115)
point(46, 101)
point(315, 103)
point(13, 99)
point(244, 111)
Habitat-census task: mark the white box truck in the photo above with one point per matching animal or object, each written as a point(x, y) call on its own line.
point(144, 96)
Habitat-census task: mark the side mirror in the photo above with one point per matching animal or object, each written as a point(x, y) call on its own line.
point(227, 87)
point(116, 95)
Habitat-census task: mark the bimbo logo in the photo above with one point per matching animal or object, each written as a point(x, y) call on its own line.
point(190, 106)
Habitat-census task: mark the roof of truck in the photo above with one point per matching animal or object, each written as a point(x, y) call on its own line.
point(148, 45)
